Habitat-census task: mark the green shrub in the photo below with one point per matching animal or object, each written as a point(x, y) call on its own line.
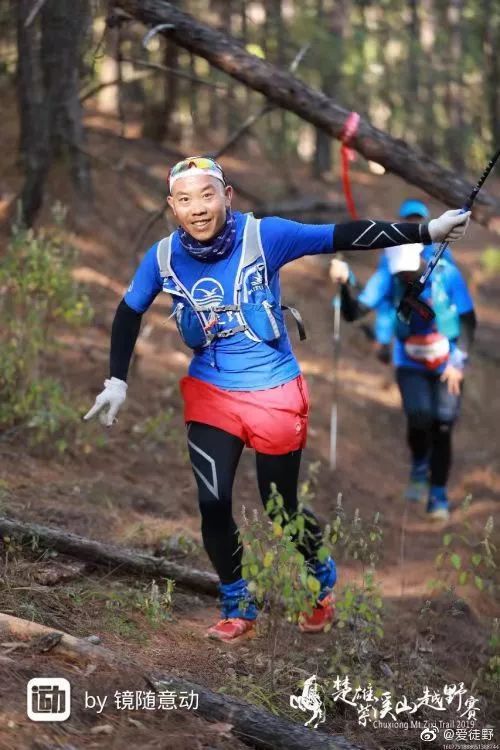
point(37, 292)
point(467, 557)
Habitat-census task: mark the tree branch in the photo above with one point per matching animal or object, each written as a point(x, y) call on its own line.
point(175, 71)
point(285, 90)
point(34, 12)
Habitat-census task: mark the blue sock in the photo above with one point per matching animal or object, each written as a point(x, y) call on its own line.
point(326, 573)
point(236, 600)
point(438, 495)
point(420, 470)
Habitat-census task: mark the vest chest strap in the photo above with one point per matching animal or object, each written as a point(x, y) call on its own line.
point(230, 332)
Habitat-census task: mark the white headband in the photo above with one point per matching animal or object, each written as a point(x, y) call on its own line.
point(193, 171)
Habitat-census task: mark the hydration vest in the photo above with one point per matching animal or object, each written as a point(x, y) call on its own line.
point(254, 306)
point(447, 317)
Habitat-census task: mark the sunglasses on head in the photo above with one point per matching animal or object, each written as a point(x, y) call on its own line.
point(198, 162)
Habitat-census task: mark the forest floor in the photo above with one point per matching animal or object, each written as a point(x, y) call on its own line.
point(135, 487)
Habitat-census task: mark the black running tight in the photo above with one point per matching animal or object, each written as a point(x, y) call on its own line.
point(214, 456)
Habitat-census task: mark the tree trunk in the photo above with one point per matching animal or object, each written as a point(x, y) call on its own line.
point(33, 114)
point(287, 91)
point(427, 98)
point(63, 35)
point(232, 118)
point(49, 53)
point(411, 95)
point(454, 88)
point(492, 67)
point(275, 42)
point(158, 121)
point(107, 554)
point(336, 20)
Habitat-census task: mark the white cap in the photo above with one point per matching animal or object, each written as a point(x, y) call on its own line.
point(404, 257)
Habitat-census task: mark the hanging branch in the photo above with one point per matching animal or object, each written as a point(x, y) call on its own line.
point(174, 71)
point(284, 90)
point(34, 12)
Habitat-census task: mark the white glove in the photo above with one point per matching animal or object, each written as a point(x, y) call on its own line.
point(451, 225)
point(113, 396)
point(339, 271)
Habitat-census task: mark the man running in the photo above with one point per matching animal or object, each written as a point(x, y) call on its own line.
point(429, 357)
point(244, 385)
point(385, 314)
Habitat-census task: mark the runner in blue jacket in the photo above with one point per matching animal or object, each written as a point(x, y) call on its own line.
point(244, 386)
point(429, 357)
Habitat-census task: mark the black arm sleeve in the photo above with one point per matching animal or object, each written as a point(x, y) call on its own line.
point(350, 306)
point(370, 235)
point(467, 331)
point(124, 332)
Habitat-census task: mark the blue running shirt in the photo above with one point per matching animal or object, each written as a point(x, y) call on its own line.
point(236, 363)
point(379, 293)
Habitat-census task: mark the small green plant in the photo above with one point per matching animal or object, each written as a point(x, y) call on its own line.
point(307, 488)
point(359, 605)
point(276, 570)
point(37, 292)
point(492, 673)
point(359, 608)
point(278, 575)
point(354, 538)
point(465, 558)
point(156, 604)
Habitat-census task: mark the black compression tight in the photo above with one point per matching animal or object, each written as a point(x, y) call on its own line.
point(434, 440)
point(214, 456)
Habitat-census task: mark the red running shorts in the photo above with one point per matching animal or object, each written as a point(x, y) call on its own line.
point(272, 421)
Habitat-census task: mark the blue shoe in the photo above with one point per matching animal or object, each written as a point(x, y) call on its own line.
point(437, 506)
point(326, 573)
point(416, 490)
point(236, 601)
point(418, 485)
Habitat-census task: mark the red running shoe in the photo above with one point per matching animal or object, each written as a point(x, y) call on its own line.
point(231, 629)
point(321, 616)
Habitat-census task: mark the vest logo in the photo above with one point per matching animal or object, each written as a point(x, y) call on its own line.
point(256, 280)
point(208, 293)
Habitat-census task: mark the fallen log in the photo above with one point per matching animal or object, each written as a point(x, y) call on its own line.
point(106, 554)
point(254, 726)
point(285, 90)
point(251, 724)
point(64, 645)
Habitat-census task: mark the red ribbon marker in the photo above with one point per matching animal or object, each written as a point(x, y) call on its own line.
point(347, 154)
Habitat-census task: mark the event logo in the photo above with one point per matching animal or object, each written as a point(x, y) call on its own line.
point(207, 293)
point(48, 699)
point(310, 700)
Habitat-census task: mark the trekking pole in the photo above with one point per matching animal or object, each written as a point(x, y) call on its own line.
point(336, 357)
point(410, 302)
